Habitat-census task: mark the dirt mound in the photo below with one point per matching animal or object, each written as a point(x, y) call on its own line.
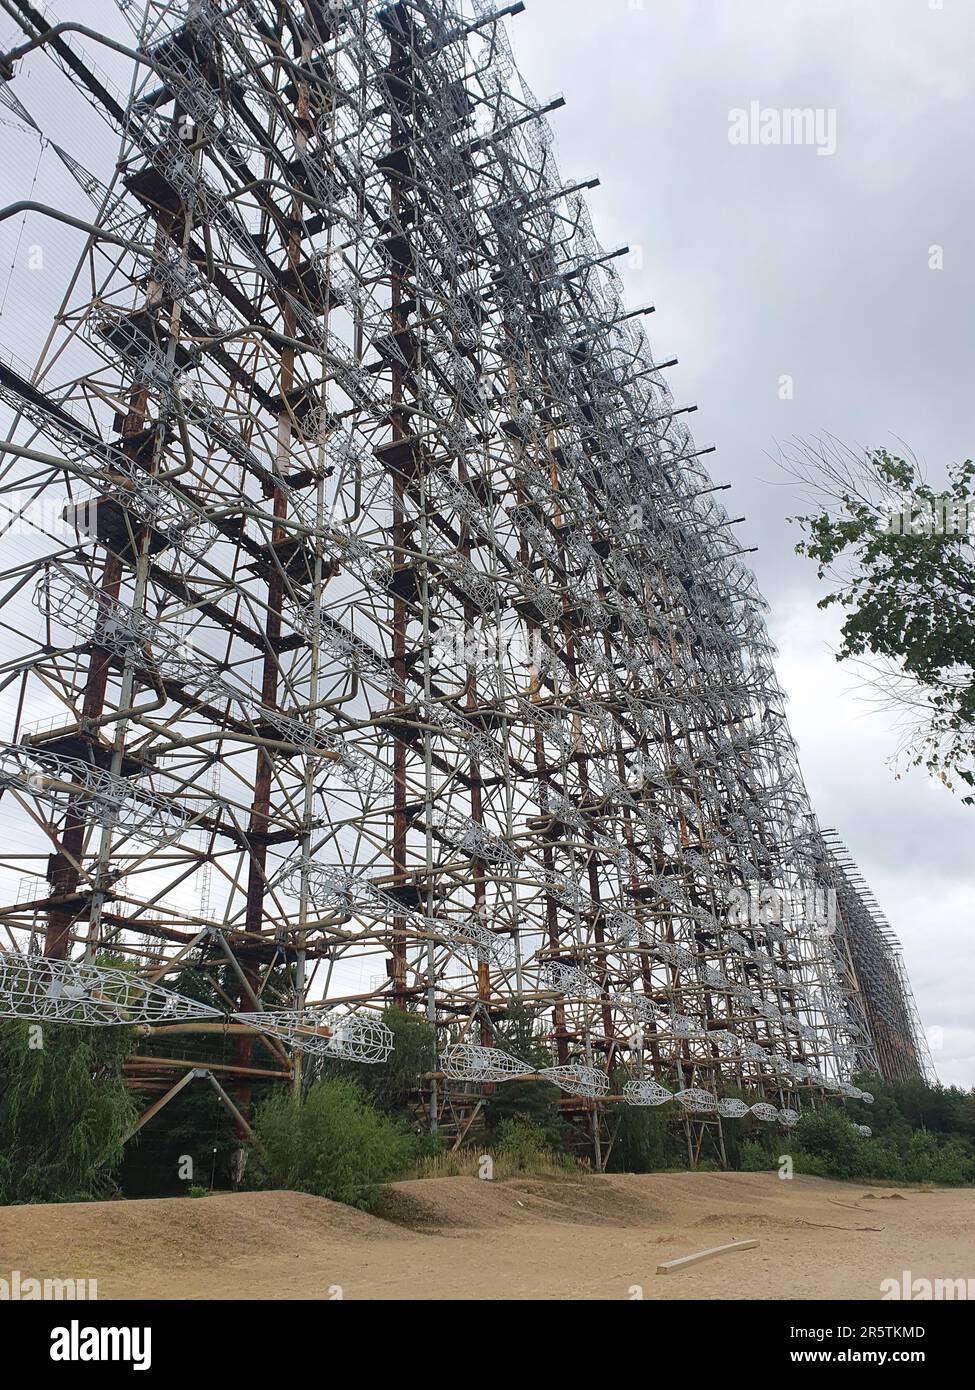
point(571, 1236)
point(160, 1238)
point(468, 1204)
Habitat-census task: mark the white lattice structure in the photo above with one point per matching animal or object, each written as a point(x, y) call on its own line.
point(577, 1080)
point(353, 1037)
point(731, 1108)
point(471, 1062)
point(41, 990)
point(646, 1092)
point(698, 1102)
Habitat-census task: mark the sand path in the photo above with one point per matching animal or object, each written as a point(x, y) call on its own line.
point(564, 1237)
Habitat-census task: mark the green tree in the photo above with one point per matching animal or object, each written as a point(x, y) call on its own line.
point(393, 1085)
point(920, 1133)
point(517, 1032)
point(330, 1141)
point(640, 1140)
point(753, 1157)
point(520, 1141)
point(64, 1111)
point(829, 1135)
point(909, 599)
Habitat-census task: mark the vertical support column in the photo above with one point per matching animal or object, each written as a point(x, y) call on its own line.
point(397, 23)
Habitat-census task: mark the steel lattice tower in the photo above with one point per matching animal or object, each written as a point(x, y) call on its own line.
point(391, 630)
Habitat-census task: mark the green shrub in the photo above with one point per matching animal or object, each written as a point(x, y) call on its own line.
point(6, 1180)
point(811, 1165)
point(330, 1142)
point(197, 1191)
point(518, 1032)
point(920, 1133)
point(885, 1161)
point(640, 1143)
point(64, 1111)
point(829, 1135)
point(520, 1144)
point(427, 1145)
point(392, 1085)
point(753, 1157)
point(955, 1163)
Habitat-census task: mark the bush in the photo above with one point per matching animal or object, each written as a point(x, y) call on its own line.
point(921, 1157)
point(330, 1142)
point(753, 1157)
point(640, 1145)
point(518, 1033)
point(520, 1144)
point(955, 1164)
point(810, 1165)
point(392, 1085)
point(885, 1161)
point(64, 1111)
point(428, 1144)
point(827, 1134)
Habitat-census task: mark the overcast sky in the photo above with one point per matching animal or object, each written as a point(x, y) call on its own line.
point(763, 262)
point(767, 261)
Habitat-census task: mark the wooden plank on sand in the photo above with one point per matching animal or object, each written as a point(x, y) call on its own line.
point(669, 1266)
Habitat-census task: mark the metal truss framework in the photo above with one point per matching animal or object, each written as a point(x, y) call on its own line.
point(399, 627)
point(900, 1047)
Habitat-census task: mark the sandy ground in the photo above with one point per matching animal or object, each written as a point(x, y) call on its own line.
point(565, 1237)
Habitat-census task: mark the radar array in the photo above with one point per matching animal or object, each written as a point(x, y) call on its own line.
point(389, 635)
